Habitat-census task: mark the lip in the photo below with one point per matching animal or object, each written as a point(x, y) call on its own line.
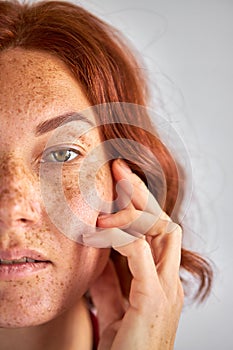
point(15, 254)
point(22, 270)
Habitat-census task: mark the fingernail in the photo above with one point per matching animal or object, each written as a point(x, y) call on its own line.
point(124, 166)
point(104, 216)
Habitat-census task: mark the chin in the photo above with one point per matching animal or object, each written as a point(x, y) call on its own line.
point(29, 310)
point(18, 316)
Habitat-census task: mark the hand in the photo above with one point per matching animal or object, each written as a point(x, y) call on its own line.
point(150, 319)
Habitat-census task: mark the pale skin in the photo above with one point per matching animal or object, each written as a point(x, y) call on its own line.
point(47, 310)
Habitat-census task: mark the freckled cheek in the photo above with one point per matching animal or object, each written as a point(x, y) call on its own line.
point(86, 198)
point(80, 199)
point(104, 183)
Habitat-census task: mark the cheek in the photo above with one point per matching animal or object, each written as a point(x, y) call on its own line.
point(81, 200)
point(104, 184)
point(71, 209)
point(74, 197)
point(89, 194)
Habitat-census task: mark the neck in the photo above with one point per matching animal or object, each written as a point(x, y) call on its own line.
point(70, 331)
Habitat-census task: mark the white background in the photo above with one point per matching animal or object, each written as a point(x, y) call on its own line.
point(188, 47)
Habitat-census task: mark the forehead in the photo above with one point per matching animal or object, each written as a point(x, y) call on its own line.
point(36, 86)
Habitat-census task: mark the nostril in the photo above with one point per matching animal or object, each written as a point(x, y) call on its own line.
point(15, 212)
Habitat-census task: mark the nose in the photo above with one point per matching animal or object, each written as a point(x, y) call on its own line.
point(19, 204)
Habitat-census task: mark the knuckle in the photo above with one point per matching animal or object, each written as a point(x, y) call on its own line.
point(176, 230)
point(164, 216)
point(142, 245)
point(132, 216)
point(129, 217)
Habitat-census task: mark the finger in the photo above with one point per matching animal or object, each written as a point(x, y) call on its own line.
point(123, 197)
point(110, 237)
point(161, 274)
point(107, 297)
point(145, 283)
point(165, 243)
point(132, 220)
point(167, 253)
point(141, 197)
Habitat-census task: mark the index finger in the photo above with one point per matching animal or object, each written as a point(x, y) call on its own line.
point(134, 187)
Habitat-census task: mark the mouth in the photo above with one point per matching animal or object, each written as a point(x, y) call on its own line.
point(21, 255)
point(23, 260)
point(15, 264)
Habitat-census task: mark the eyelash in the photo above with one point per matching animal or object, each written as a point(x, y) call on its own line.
point(52, 153)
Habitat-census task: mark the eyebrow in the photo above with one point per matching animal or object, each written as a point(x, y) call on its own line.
point(51, 124)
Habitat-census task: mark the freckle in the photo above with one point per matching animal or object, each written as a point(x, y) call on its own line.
point(151, 326)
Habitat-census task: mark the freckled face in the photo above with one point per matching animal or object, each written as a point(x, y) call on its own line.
point(36, 87)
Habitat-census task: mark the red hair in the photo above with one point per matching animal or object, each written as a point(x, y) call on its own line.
point(107, 71)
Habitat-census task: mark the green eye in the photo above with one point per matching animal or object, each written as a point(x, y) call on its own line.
point(61, 155)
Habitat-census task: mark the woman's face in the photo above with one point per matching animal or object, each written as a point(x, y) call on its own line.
point(37, 87)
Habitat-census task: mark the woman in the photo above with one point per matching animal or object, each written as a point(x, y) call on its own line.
point(67, 81)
